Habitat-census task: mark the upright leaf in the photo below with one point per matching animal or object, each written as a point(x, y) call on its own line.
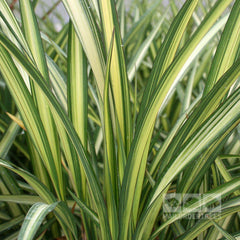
point(227, 48)
point(86, 29)
point(119, 81)
point(136, 164)
point(33, 37)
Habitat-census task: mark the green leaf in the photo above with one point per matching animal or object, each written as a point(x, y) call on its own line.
point(33, 219)
point(22, 199)
point(40, 189)
point(208, 104)
point(208, 126)
point(110, 164)
point(207, 198)
point(205, 223)
point(12, 223)
point(62, 212)
point(119, 81)
point(77, 97)
point(85, 209)
point(219, 123)
point(224, 233)
point(167, 51)
point(139, 25)
point(12, 22)
point(10, 183)
point(29, 113)
point(137, 59)
point(86, 29)
point(63, 121)
point(136, 163)
point(168, 141)
point(227, 48)
point(33, 38)
point(224, 172)
point(4, 216)
point(55, 49)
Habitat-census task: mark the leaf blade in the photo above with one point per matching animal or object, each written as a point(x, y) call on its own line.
point(33, 219)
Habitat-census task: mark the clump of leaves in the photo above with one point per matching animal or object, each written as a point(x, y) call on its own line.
point(119, 114)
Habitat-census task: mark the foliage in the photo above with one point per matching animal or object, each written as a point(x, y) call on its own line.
point(104, 121)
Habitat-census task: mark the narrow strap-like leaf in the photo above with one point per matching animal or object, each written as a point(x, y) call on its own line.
point(202, 138)
point(205, 223)
point(227, 48)
point(137, 157)
point(85, 209)
point(28, 112)
point(136, 60)
point(168, 50)
point(33, 220)
point(86, 29)
point(110, 163)
point(210, 197)
point(119, 81)
point(33, 37)
point(62, 212)
point(224, 232)
point(61, 117)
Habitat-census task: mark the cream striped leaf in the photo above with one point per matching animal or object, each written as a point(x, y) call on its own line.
point(33, 220)
point(86, 29)
point(64, 122)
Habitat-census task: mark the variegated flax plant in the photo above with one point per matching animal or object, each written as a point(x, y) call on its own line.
point(122, 124)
